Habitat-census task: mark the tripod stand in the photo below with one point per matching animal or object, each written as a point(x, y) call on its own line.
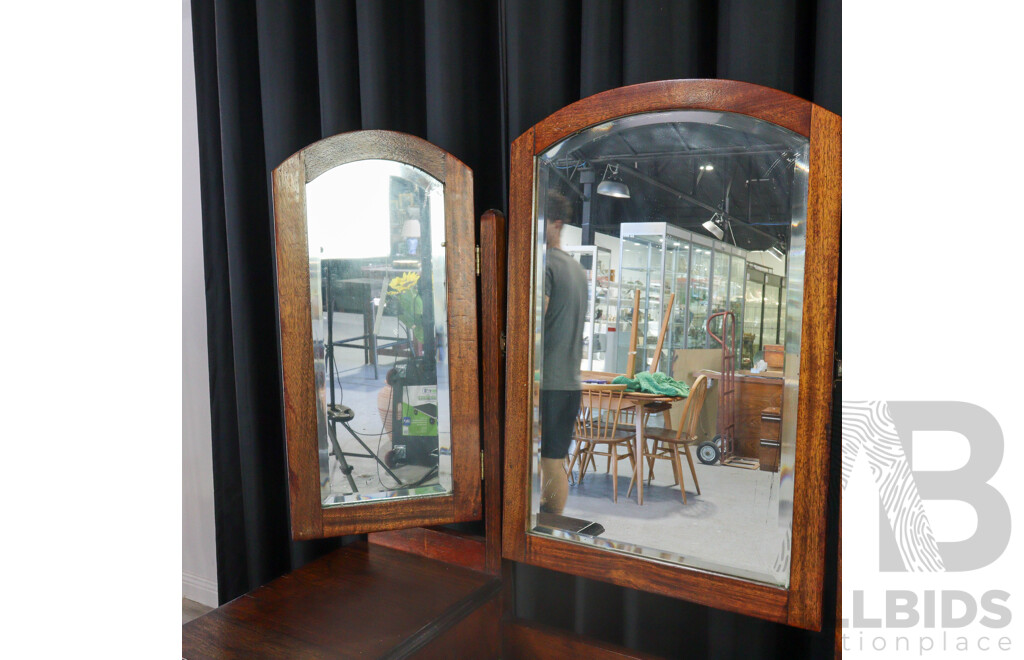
point(340, 414)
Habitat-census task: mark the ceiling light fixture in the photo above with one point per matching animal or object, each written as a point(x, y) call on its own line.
point(776, 252)
point(713, 228)
point(612, 188)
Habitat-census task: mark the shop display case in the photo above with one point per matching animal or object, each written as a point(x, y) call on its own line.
point(597, 262)
point(661, 259)
point(698, 298)
point(763, 321)
point(654, 258)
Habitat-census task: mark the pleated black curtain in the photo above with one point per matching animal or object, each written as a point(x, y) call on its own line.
point(468, 75)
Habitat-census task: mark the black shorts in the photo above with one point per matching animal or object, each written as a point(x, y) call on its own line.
point(558, 410)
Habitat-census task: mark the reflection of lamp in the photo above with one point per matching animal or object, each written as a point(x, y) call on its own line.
point(411, 230)
point(713, 228)
point(776, 252)
point(610, 187)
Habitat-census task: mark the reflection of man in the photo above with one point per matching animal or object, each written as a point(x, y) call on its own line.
point(565, 307)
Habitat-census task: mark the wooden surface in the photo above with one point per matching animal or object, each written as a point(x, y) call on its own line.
point(384, 145)
point(528, 640)
point(435, 543)
point(309, 518)
point(801, 605)
point(298, 383)
point(722, 95)
point(753, 397)
point(476, 636)
point(519, 353)
point(493, 269)
point(358, 602)
point(817, 353)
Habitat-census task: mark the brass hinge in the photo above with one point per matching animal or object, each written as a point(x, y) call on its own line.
point(478, 260)
point(481, 465)
point(501, 342)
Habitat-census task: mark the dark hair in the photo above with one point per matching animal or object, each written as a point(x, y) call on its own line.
point(559, 208)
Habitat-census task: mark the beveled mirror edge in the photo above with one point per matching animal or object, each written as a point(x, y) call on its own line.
point(309, 520)
point(801, 604)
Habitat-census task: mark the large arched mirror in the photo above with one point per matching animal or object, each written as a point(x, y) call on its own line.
point(378, 334)
point(673, 261)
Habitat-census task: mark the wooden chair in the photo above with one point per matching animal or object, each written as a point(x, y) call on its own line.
point(598, 424)
point(666, 442)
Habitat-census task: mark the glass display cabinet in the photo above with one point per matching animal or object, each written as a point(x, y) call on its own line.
point(597, 262)
point(654, 260)
point(671, 157)
point(763, 321)
point(699, 297)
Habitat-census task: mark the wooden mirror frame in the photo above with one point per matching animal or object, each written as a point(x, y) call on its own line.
point(309, 519)
point(801, 604)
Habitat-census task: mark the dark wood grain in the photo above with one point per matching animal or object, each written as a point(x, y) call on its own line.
point(518, 356)
point(372, 144)
point(440, 544)
point(359, 601)
point(463, 346)
point(529, 640)
point(753, 396)
point(801, 605)
point(298, 391)
point(817, 353)
point(493, 268)
point(764, 103)
point(309, 519)
point(476, 636)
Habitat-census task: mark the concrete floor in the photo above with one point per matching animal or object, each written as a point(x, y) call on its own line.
point(731, 527)
point(357, 387)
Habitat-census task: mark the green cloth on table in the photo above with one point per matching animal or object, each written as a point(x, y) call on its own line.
point(656, 383)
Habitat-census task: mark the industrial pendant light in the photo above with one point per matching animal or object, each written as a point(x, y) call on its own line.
point(713, 228)
point(612, 188)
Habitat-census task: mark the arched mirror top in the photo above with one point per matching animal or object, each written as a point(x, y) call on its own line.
point(698, 224)
point(379, 370)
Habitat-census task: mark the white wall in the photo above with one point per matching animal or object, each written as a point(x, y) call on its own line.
point(198, 541)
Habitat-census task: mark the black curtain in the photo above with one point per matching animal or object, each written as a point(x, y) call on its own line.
point(275, 75)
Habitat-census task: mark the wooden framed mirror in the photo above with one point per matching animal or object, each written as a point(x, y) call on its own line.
point(378, 325)
point(679, 239)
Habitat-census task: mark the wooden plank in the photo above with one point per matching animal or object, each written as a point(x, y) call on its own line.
point(440, 544)
point(343, 148)
point(359, 601)
point(519, 355)
point(817, 349)
point(293, 296)
point(493, 291)
point(528, 639)
point(460, 253)
point(476, 636)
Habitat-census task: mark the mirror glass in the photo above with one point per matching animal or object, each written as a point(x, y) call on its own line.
point(668, 286)
point(379, 323)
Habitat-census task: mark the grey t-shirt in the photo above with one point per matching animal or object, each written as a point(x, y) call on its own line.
point(565, 282)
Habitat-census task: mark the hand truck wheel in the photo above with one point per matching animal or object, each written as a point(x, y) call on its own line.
point(708, 452)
